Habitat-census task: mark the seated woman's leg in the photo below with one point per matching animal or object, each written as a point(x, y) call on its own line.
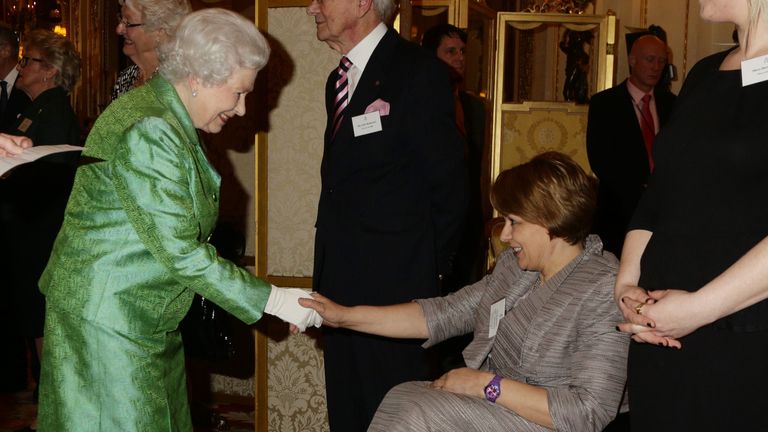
point(415, 406)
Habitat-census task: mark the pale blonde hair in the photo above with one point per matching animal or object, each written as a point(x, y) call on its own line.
point(162, 15)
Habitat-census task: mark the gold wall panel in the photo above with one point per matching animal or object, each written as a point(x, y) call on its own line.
point(543, 127)
point(530, 114)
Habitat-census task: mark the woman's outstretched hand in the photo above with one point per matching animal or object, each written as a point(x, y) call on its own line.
point(331, 312)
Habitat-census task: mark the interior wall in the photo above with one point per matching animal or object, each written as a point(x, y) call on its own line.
point(297, 73)
point(689, 37)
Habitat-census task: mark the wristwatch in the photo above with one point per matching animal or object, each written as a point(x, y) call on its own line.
point(493, 389)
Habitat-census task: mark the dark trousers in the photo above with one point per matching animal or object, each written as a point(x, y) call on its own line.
point(360, 369)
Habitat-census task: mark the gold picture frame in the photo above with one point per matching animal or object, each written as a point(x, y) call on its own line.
point(537, 56)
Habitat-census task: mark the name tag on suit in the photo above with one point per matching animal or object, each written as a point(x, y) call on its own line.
point(365, 124)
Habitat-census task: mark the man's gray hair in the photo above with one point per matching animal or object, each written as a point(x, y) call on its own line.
point(384, 9)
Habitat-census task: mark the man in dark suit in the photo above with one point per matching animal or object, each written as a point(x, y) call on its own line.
point(12, 100)
point(13, 364)
point(449, 43)
point(622, 123)
point(393, 196)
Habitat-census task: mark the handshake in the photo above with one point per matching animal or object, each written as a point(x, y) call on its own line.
point(284, 304)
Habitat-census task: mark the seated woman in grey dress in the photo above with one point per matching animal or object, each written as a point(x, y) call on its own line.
point(545, 352)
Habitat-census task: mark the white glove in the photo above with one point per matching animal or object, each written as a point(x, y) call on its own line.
point(284, 304)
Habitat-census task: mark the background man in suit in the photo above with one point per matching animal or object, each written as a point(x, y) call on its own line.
point(620, 131)
point(449, 43)
point(393, 196)
point(11, 102)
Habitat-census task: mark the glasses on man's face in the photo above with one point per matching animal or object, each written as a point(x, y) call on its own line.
point(127, 24)
point(24, 61)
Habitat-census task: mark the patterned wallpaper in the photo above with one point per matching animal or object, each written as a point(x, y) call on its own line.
point(297, 74)
point(525, 134)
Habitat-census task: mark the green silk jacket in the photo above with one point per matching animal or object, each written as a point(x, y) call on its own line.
point(130, 255)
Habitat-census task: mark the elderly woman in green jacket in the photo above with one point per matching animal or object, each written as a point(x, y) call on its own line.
point(133, 248)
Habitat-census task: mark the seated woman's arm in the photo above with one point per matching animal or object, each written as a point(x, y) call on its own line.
point(405, 320)
point(435, 319)
point(590, 397)
point(528, 401)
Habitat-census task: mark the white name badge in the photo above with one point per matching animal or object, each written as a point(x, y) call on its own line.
point(497, 313)
point(365, 124)
point(754, 70)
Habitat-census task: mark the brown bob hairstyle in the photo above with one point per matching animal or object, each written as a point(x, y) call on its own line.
point(550, 190)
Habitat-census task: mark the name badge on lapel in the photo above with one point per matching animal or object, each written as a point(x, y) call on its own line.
point(497, 313)
point(365, 124)
point(754, 70)
point(25, 124)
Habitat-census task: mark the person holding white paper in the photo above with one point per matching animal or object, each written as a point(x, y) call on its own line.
point(11, 145)
point(48, 72)
point(545, 352)
point(694, 268)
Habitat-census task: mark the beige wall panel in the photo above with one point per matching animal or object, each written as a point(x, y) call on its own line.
point(301, 64)
point(539, 129)
point(296, 382)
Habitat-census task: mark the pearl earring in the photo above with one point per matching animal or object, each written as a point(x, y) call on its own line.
point(194, 93)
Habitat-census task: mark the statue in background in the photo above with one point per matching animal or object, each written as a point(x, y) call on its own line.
point(575, 45)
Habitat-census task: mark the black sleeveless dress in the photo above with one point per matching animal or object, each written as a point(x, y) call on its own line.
point(706, 206)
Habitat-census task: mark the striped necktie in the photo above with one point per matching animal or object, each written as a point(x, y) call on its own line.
point(342, 93)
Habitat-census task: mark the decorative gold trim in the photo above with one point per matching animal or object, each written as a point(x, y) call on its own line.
point(287, 3)
point(290, 281)
point(685, 39)
point(261, 396)
point(529, 106)
point(454, 12)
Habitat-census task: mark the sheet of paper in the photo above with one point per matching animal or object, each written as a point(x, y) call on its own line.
point(31, 154)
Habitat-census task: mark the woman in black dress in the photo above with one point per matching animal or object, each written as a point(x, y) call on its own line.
point(694, 268)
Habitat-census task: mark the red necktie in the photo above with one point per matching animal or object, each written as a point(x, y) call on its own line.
point(648, 128)
point(342, 93)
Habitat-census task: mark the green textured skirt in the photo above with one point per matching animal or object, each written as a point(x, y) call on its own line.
point(95, 378)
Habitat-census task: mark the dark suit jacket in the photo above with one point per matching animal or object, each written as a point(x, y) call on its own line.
point(17, 102)
point(617, 155)
point(33, 198)
point(389, 220)
point(392, 202)
point(470, 262)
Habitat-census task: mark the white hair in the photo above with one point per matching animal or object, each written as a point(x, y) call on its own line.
point(162, 15)
point(210, 45)
point(384, 9)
